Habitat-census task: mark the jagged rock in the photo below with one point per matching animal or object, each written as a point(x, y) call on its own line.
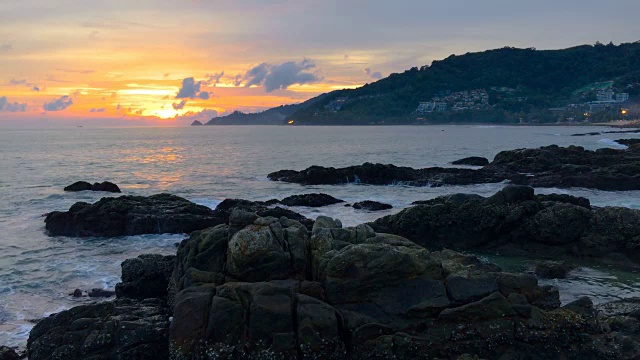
point(553, 269)
point(84, 186)
point(628, 142)
point(260, 208)
point(516, 222)
point(132, 215)
point(76, 293)
point(473, 161)
point(122, 329)
point(371, 205)
point(564, 198)
point(310, 200)
point(548, 166)
point(7, 353)
point(146, 276)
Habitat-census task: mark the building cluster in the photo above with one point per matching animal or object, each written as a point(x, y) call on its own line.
point(336, 104)
point(606, 99)
point(462, 100)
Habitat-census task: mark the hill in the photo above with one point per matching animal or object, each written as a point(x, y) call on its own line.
point(273, 116)
point(496, 86)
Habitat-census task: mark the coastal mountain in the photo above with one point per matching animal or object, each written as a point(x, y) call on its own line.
point(196, 123)
point(588, 82)
point(273, 116)
point(508, 85)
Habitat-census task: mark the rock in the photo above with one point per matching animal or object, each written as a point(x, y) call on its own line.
point(121, 329)
point(76, 293)
point(628, 142)
point(146, 276)
point(494, 306)
point(196, 123)
point(84, 186)
point(579, 201)
point(553, 269)
point(7, 353)
point(132, 215)
point(473, 161)
point(372, 205)
point(548, 166)
point(310, 200)
point(516, 222)
point(101, 293)
point(261, 208)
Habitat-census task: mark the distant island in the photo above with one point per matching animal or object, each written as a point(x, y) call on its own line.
point(196, 123)
point(588, 83)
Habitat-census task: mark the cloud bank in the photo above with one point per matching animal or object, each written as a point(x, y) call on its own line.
point(5, 105)
point(275, 77)
point(191, 89)
point(58, 104)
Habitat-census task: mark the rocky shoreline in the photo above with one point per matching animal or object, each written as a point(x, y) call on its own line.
point(548, 166)
point(257, 283)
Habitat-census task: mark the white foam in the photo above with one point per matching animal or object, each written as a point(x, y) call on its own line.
point(612, 143)
point(210, 203)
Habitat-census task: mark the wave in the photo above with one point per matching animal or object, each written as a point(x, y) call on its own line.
point(210, 203)
point(612, 143)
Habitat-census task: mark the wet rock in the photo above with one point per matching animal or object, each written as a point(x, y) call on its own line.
point(85, 186)
point(131, 215)
point(553, 269)
point(371, 205)
point(146, 276)
point(7, 353)
point(516, 222)
point(76, 293)
point(549, 166)
point(121, 329)
point(473, 161)
point(628, 142)
point(310, 200)
point(260, 208)
point(564, 198)
point(101, 293)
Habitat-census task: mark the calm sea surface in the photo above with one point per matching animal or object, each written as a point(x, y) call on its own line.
point(207, 165)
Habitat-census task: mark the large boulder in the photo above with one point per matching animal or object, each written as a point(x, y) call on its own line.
point(122, 329)
point(310, 200)
point(132, 215)
point(7, 353)
point(472, 161)
point(514, 221)
point(370, 205)
point(260, 208)
point(85, 186)
point(146, 276)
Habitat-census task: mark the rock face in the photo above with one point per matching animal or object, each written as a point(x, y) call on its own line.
point(514, 221)
point(265, 287)
point(7, 353)
point(628, 142)
point(131, 215)
point(83, 186)
point(260, 208)
point(310, 200)
point(553, 269)
point(473, 161)
point(549, 166)
point(146, 276)
point(121, 329)
point(371, 205)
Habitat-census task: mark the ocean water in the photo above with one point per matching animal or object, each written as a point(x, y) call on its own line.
point(209, 164)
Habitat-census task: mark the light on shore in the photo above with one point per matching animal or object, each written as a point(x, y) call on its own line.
point(290, 122)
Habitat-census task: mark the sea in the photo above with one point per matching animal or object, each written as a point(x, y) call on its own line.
point(207, 164)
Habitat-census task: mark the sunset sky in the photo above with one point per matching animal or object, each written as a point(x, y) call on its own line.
point(154, 62)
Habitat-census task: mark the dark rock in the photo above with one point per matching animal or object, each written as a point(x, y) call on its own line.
point(101, 293)
point(84, 186)
point(310, 200)
point(146, 276)
point(121, 329)
point(132, 215)
point(371, 205)
point(553, 269)
point(196, 123)
point(76, 293)
point(473, 161)
point(261, 208)
point(549, 166)
point(564, 198)
point(7, 353)
point(628, 142)
point(516, 222)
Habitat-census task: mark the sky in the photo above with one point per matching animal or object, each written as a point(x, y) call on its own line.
point(168, 62)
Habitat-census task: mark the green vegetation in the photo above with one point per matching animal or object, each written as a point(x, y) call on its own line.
point(522, 86)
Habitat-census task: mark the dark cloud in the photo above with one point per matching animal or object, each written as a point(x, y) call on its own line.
point(54, 79)
point(274, 77)
point(18, 82)
point(97, 110)
point(119, 107)
point(214, 79)
point(35, 88)
point(191, 89)
point(5, 105)
point(76, 71)
point(238, 80)
point(58, 104)
point(377, 75)
point(5, 48)
point(180, 105)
